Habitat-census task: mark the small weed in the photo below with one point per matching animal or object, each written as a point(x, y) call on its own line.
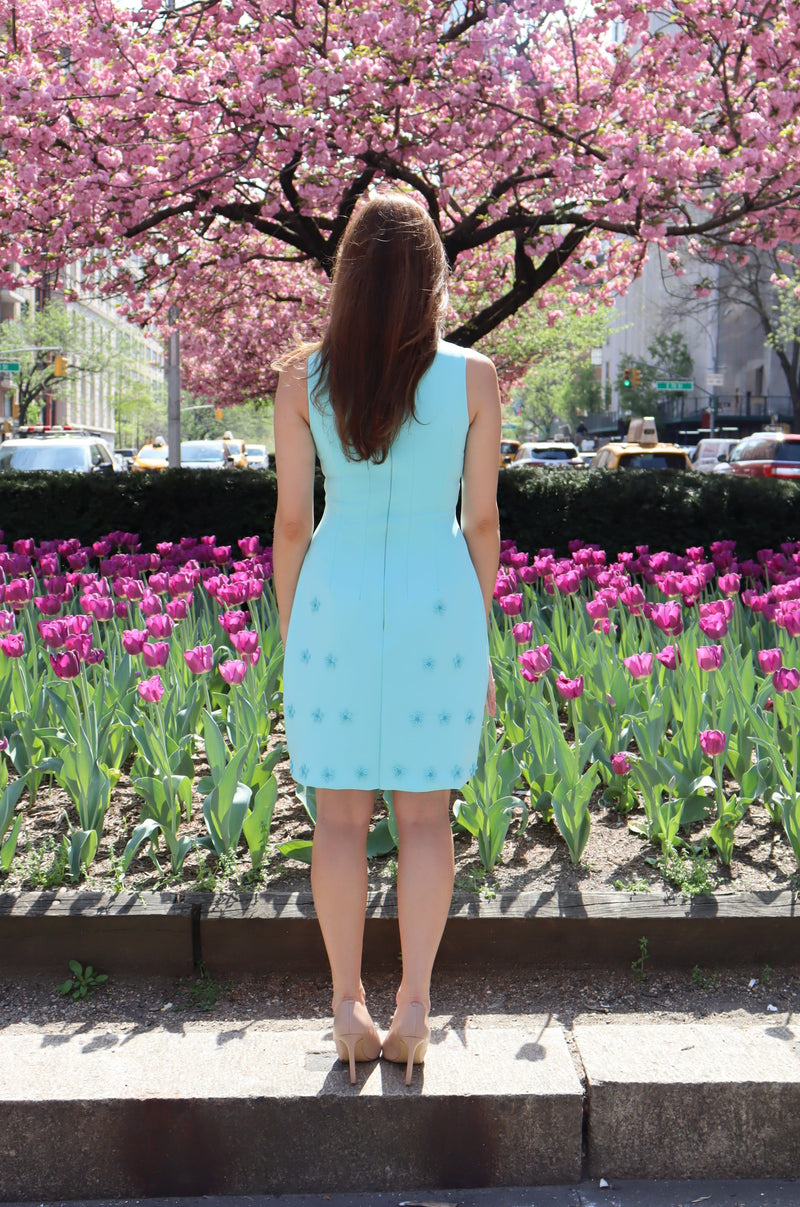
point(82, 982)
point(702, 981)
point(391, 868)
point(638, 965)
point(766, 975)
point(203, 992)
point(116, 873)
point(691, 873)
point(45, 866)
point(210, 878)
point(632, 886)
point(474, 881)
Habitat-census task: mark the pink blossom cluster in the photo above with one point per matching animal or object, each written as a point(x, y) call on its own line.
point(244, 132)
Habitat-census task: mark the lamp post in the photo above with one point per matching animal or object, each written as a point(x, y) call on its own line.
point(174, 391)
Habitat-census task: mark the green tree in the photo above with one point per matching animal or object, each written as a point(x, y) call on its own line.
point(36, 339)
point(249, 422)
point(668, 359)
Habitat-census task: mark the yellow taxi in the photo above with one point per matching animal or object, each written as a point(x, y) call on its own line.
point(641, 449)
point(508, 451)
point(153, 455)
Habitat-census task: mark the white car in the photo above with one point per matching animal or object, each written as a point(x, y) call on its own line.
point(204, 454)
point(711, 453)
point(257, 456)
point(55, 450)
point(547, 454)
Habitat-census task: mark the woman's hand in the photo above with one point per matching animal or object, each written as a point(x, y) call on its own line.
point(491, 701)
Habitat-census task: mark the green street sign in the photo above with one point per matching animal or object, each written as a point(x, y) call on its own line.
point(9, 366)
point(674, 385)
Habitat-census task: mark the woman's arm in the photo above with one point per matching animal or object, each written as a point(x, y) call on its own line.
point(479, 519)
point(294, 462)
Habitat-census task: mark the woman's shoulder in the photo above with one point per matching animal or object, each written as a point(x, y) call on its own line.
point(473, 358)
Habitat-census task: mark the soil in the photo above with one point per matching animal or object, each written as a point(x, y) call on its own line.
point(535, 858)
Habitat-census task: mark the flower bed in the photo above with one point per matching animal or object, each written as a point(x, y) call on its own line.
point(140, 702)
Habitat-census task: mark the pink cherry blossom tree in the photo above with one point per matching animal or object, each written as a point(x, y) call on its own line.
point(210, 153)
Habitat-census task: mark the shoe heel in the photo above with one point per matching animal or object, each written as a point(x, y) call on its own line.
point(412, 1049)
point(346, 1050)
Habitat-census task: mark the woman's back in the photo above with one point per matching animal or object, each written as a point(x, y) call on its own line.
point(386, 656)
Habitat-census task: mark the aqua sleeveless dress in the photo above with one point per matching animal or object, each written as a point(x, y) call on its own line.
point(387, 663)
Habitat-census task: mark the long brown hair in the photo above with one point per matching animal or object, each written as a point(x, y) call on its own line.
point(386, 307)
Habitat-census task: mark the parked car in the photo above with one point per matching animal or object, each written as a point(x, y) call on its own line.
point(209, 454)
point(768, 454)
point(641, 450)
point(508, 451)
point(54, 449)
point(257, 456)
point(547, 454)
point(124, 457)
point(707, 455)
point(151, 456)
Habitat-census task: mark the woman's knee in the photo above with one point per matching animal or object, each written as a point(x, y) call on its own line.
point(341, 808)
point(427, 809)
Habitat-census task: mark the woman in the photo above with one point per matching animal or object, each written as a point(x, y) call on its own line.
point(384, 613)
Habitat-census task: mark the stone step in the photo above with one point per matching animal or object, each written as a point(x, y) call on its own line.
point(238, 1109)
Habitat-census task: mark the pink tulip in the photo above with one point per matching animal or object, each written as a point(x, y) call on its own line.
point(633, 599)
point(48, 605)
point(604, 626)
point(570, 689)
point(233, 622)
point(523, 631)
point(639, 665)
point(200, 659)
point(714, 625)
point(712, 741)
point(233, 671)
point(155, 653)
point(597, 609)
point(66, 665)
point(567, 583)
point(79, 643)
point(151, 690)
point(19, 592)
point(13, 645)
point(511, 604)
point(159, 626)
point(729, 584)
point(245, 642)
point(77, 624)
point(133, 640)
point(786, 679)
point(150, 604)
point(158, 583)
point(770, 660)
point(668, 617)
point(788, 619)
point(94, 656)
point(6, 621)
point(52, 632)
point(535, 662)
point(669, 657)
point(177, 608)
point(709, 657)
point(620, 764)
point(232, 594)
point(249, 545)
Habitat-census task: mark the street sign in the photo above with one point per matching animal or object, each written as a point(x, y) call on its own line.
point(715, 379)
point(597, 356)
point(674, 385)
point(9, 366)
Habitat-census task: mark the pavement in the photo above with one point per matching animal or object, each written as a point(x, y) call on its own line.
point(178, 1109)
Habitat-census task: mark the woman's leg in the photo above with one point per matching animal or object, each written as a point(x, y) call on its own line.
point(424, 886)
point(339, 883)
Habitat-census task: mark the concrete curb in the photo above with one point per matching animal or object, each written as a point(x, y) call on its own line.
point(183, 1110)
point(262, 932)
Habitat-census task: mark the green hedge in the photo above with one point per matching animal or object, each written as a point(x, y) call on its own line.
point(616, 510)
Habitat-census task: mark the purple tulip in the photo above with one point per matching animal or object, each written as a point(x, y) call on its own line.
point(570, 689)
point(200, 659)
point(245, 642)
point(597, 609)
point(567, 583)
point(94, 656)
point(233, 622)
point(133, 640)
point(6, 621)
point(233, 671)
point(729, 584)
point(709, 657)
point(13, 645)
point(232, 594)
point(523, 631)
point(714, 625)
point(19, 592)
point(620, 764)
point(48, 605)
point(150, 604)
point(633, 599)
point(77, 624)
point(669, 657)
point(770, 660)
point(511, 604)
point(155, 653)
point(151, 690)
point(159, 626)
point(668, 617)
point(52, 632)
point(712, 741)
point(640, 666)
point(535, 662)
point(249, 545)
point(66, 665)
point(177, 608)
point(788, 618)
point(79, 643)
point(786, 679)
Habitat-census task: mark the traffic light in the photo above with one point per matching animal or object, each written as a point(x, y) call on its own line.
point(60, 367)
point(627, 380)
point(637, 377)
point(218, 413)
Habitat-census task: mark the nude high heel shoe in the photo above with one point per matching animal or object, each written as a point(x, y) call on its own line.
point(354, 1035)
point(408, 1040)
